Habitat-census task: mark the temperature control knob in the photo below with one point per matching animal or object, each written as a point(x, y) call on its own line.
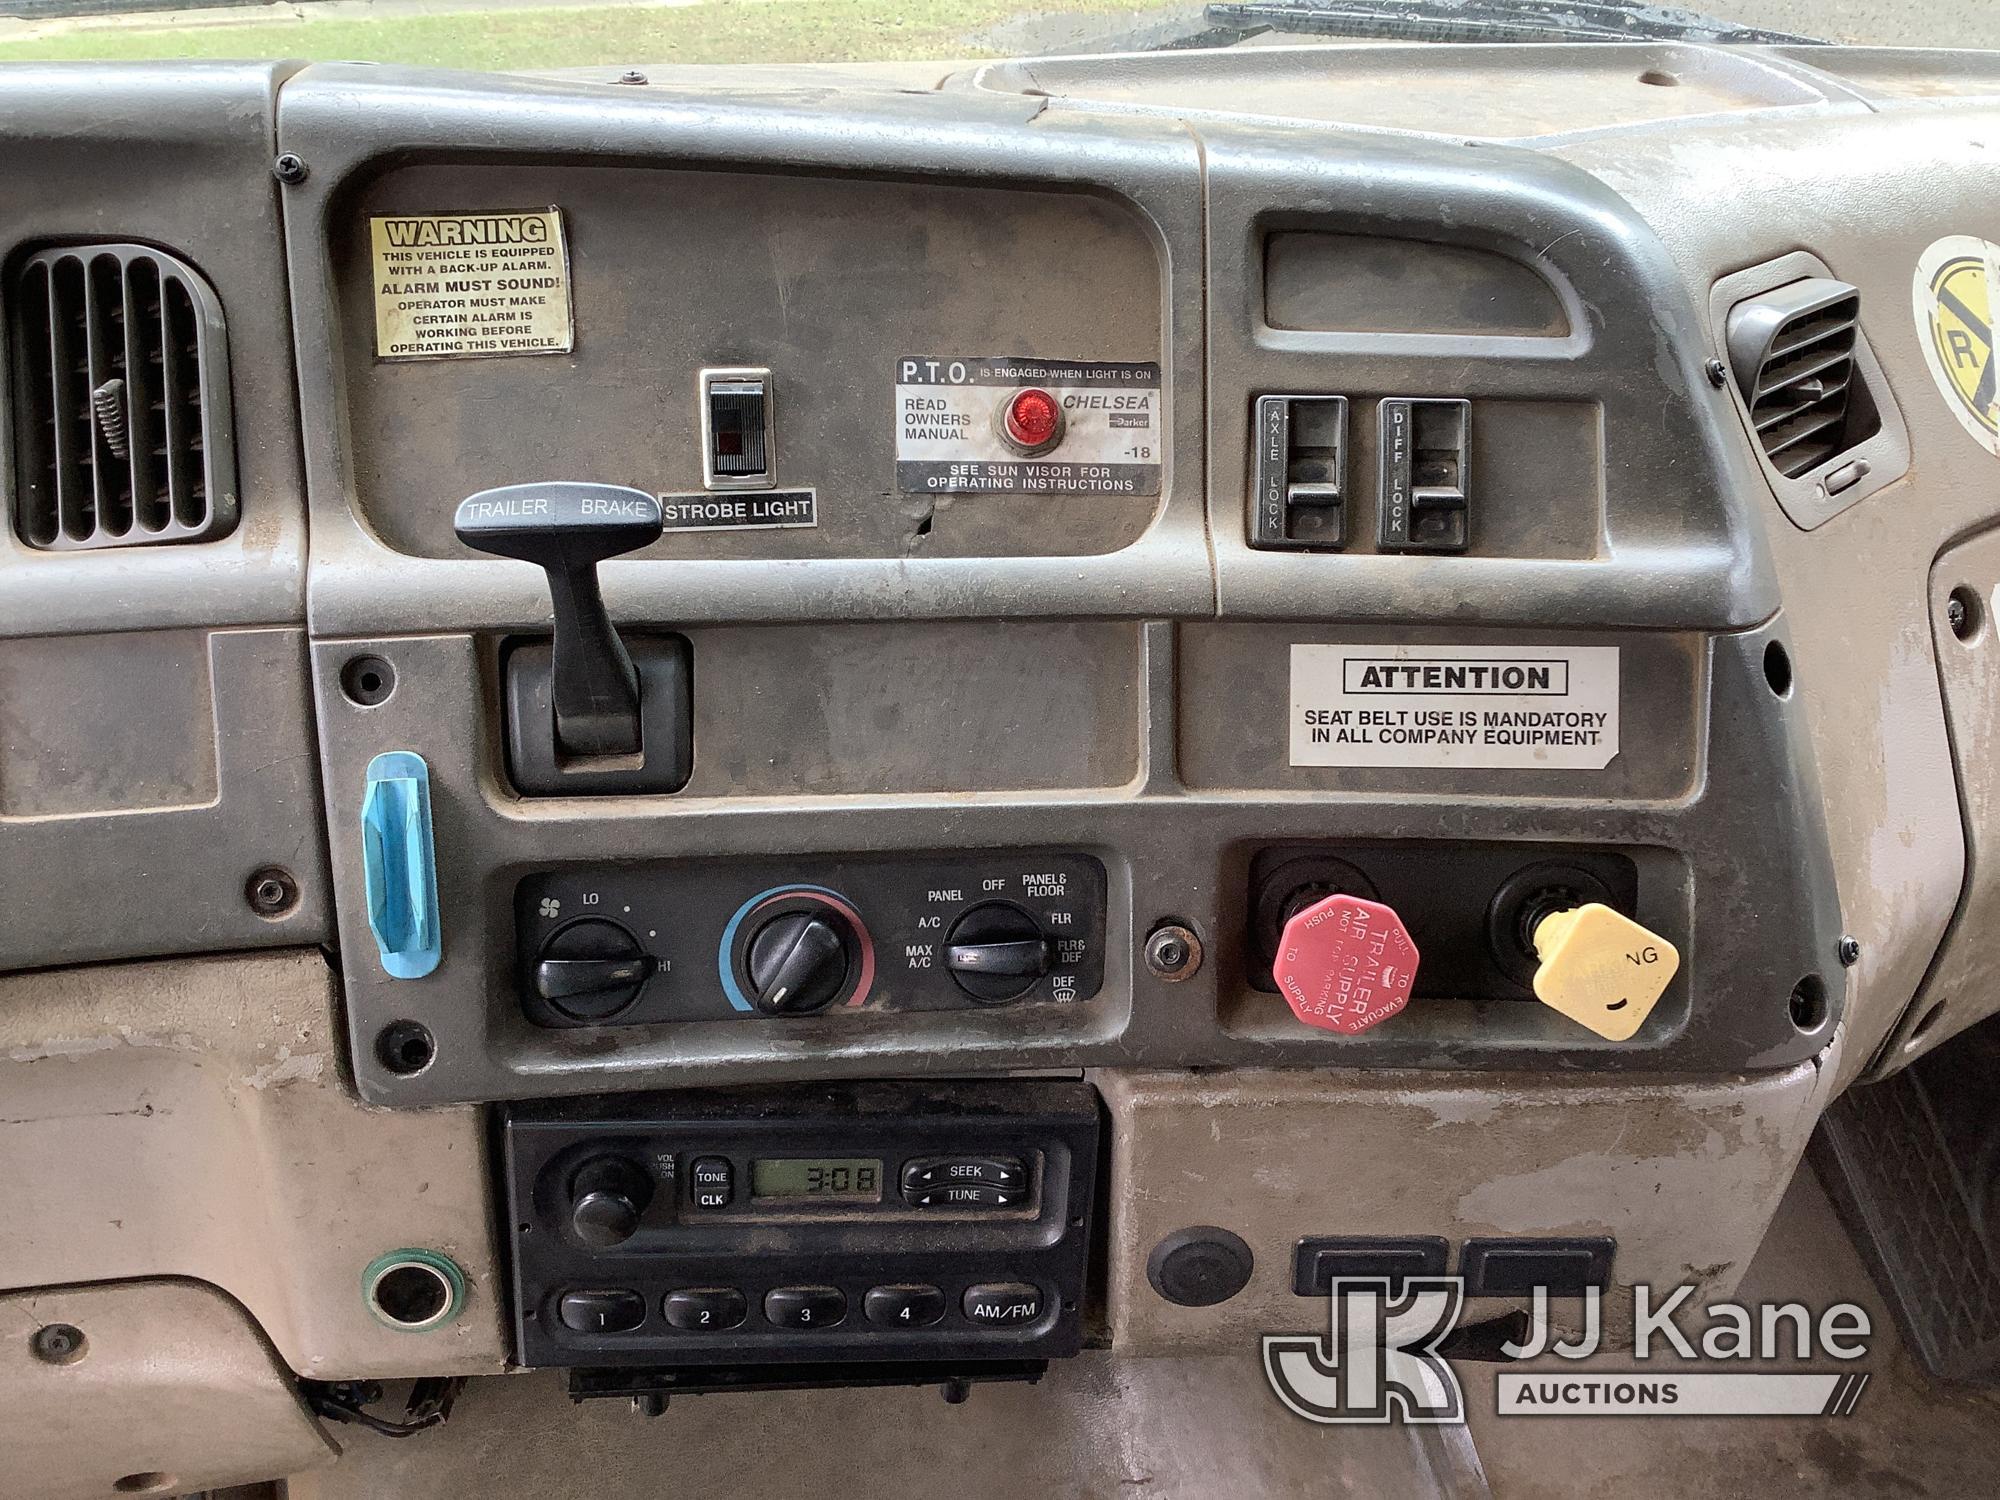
point(996, 952)
point(799, 962)
point(591, 970)
point(607, 1196)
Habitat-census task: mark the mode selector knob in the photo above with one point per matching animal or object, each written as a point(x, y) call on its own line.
point(799, 962)
point(592, 969)
point(996, 952)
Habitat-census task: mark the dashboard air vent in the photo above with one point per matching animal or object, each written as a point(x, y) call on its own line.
point(1792, 352)
point(122, 432)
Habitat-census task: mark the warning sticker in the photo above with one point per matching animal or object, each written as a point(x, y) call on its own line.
point(975, 424)
point(1540, 707)
point(448, 286)
point(1954, 298)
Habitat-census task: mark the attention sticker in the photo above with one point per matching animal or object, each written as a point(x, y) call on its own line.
point(1534, 707)
point(456, 286)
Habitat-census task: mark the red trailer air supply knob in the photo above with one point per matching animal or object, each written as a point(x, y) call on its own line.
point(1345, 964)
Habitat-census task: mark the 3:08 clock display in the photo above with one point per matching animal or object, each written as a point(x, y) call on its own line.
point(852, 1179)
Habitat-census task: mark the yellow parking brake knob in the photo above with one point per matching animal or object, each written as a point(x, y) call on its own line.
point(1602, 969)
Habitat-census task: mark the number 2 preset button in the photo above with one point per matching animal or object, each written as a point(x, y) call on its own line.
point(704, 1309)
point(903, 1306)
point(805, 1306)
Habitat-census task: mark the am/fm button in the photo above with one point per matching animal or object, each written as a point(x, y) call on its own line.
point(1003, 1304)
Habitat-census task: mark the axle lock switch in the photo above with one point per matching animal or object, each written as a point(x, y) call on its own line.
point(1345, 964)
point(1602, 969)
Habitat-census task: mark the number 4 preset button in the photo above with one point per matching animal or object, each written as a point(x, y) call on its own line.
point(903, 1306)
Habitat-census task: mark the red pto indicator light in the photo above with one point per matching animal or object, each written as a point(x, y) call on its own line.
point(1031, 421)
point(1345, 964)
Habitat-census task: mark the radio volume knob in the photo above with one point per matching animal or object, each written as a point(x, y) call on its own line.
point(799, 962)
point(607, 1196)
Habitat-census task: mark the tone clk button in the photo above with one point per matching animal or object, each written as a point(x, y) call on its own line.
point(1602, 969)
point(1345, 964)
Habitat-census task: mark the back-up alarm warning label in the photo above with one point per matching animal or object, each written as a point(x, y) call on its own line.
point(979, 423)
point(1539, 707)
point(449, 286)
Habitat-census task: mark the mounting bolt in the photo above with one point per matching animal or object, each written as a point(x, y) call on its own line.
point(1955, 615)
point(631, 75)
point(1849, 950)
point(271, 892)
point(1173, 953)
point(290, 168)
point(1718, 373)
point(59, 1344)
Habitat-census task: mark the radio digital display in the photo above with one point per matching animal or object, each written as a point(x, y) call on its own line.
point(847, 1179)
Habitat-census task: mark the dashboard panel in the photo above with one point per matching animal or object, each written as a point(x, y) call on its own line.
point(1103, 628)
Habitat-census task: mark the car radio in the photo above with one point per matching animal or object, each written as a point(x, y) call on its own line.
point(918, 1222)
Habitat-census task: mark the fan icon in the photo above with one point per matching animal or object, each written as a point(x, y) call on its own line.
point(551, 907)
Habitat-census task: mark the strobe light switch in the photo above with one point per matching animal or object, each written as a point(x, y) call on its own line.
point(1426, 453)
point(736, 438)
point(1300, 480)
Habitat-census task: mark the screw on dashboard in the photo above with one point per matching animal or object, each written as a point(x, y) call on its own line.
point(1173, 953)
point(59, 1344)
point(289, 168)
point(271, 892)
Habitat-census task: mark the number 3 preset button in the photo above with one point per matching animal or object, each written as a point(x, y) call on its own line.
point(704, 1309)
point(805, 1306)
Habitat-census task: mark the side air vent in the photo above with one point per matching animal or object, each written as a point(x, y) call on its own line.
point(122, 432)
point(1792, 352)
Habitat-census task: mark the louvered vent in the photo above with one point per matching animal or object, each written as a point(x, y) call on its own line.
point(121, 401)
point(1792, 352)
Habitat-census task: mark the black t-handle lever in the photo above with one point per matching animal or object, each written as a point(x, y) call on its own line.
point(568, 528)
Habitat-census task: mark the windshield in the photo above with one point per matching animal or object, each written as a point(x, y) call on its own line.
point(545, 34)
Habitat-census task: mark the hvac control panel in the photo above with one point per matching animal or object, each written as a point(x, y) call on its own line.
point(763, 940)
point(803, 1225)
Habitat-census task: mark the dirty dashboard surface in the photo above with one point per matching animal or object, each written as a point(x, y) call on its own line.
point(813, 728)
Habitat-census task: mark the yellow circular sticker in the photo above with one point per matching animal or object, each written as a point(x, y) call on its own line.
point(1954, 296)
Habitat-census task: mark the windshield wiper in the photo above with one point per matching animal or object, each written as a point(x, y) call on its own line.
point(1494, 21)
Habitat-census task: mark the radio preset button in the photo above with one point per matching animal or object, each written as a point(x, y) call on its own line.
point(704, 1309)
point(999, 1171)
point(805, 1306)
point(602, 1312)
point(1003, 1304)
point(903, 1306)
point(712, 1182)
